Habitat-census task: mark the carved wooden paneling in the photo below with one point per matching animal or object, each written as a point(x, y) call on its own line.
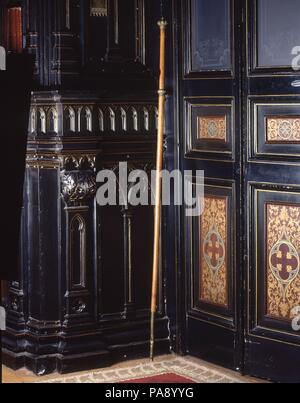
point(209, 127)
point(274, 131)
point(211, 256)
point(79, 261)
point(274, 254)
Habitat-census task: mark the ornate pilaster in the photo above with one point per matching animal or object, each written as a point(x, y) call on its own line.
point(78, 188)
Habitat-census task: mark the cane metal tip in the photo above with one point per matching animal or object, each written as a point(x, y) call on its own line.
point(162, 23)
point(152, 350)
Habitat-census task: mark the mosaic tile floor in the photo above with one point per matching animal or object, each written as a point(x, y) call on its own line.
point(176, 365)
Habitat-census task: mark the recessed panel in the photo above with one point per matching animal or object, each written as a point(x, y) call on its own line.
point(278, 32)
point(211, 256)
point(209, 127)
point(275, 130)
point(210, 35)
point(275, 256)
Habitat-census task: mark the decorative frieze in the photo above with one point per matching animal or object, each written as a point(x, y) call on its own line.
point(92, 119)
point(80, 162)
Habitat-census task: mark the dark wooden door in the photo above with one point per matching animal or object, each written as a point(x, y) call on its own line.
point(238, 96)
point(210, 140)
point(272, 189)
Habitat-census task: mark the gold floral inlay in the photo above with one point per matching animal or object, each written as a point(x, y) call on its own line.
point(283, 129)
point(283, 246)
point(213, 247)
point(212, 128)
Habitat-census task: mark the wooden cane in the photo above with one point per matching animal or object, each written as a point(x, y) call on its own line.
point(158, 187)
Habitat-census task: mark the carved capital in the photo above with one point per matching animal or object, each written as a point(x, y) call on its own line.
point(78, 187)
point(74, 162)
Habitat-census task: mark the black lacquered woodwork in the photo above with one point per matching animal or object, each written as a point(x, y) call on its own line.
point(208, 108)
point(229, 280)
point(82, 296)
point(271, 190)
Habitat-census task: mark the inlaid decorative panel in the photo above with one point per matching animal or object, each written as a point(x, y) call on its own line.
point(283, 260)
point(211, 255)
point(212, 128)
point(213, 251)
point(283, 129)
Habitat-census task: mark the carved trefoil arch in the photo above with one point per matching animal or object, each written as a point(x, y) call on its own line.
point(101, 120)
point(69, 120)
point(52, 121)
point(135, 119)
point(124, 119)
point(77, 252)
point(112, 119)
point(41, 121)
point(85, 119)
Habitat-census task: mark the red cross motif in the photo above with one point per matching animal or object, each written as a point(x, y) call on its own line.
point(284, 261)
point(214, 250)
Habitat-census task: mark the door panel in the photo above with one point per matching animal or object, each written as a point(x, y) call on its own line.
point(212, 257)
point(275, 129)
point(272, 186)
point(210, 105)
point(209, 127)
point(277, 32)
point(210, 40)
